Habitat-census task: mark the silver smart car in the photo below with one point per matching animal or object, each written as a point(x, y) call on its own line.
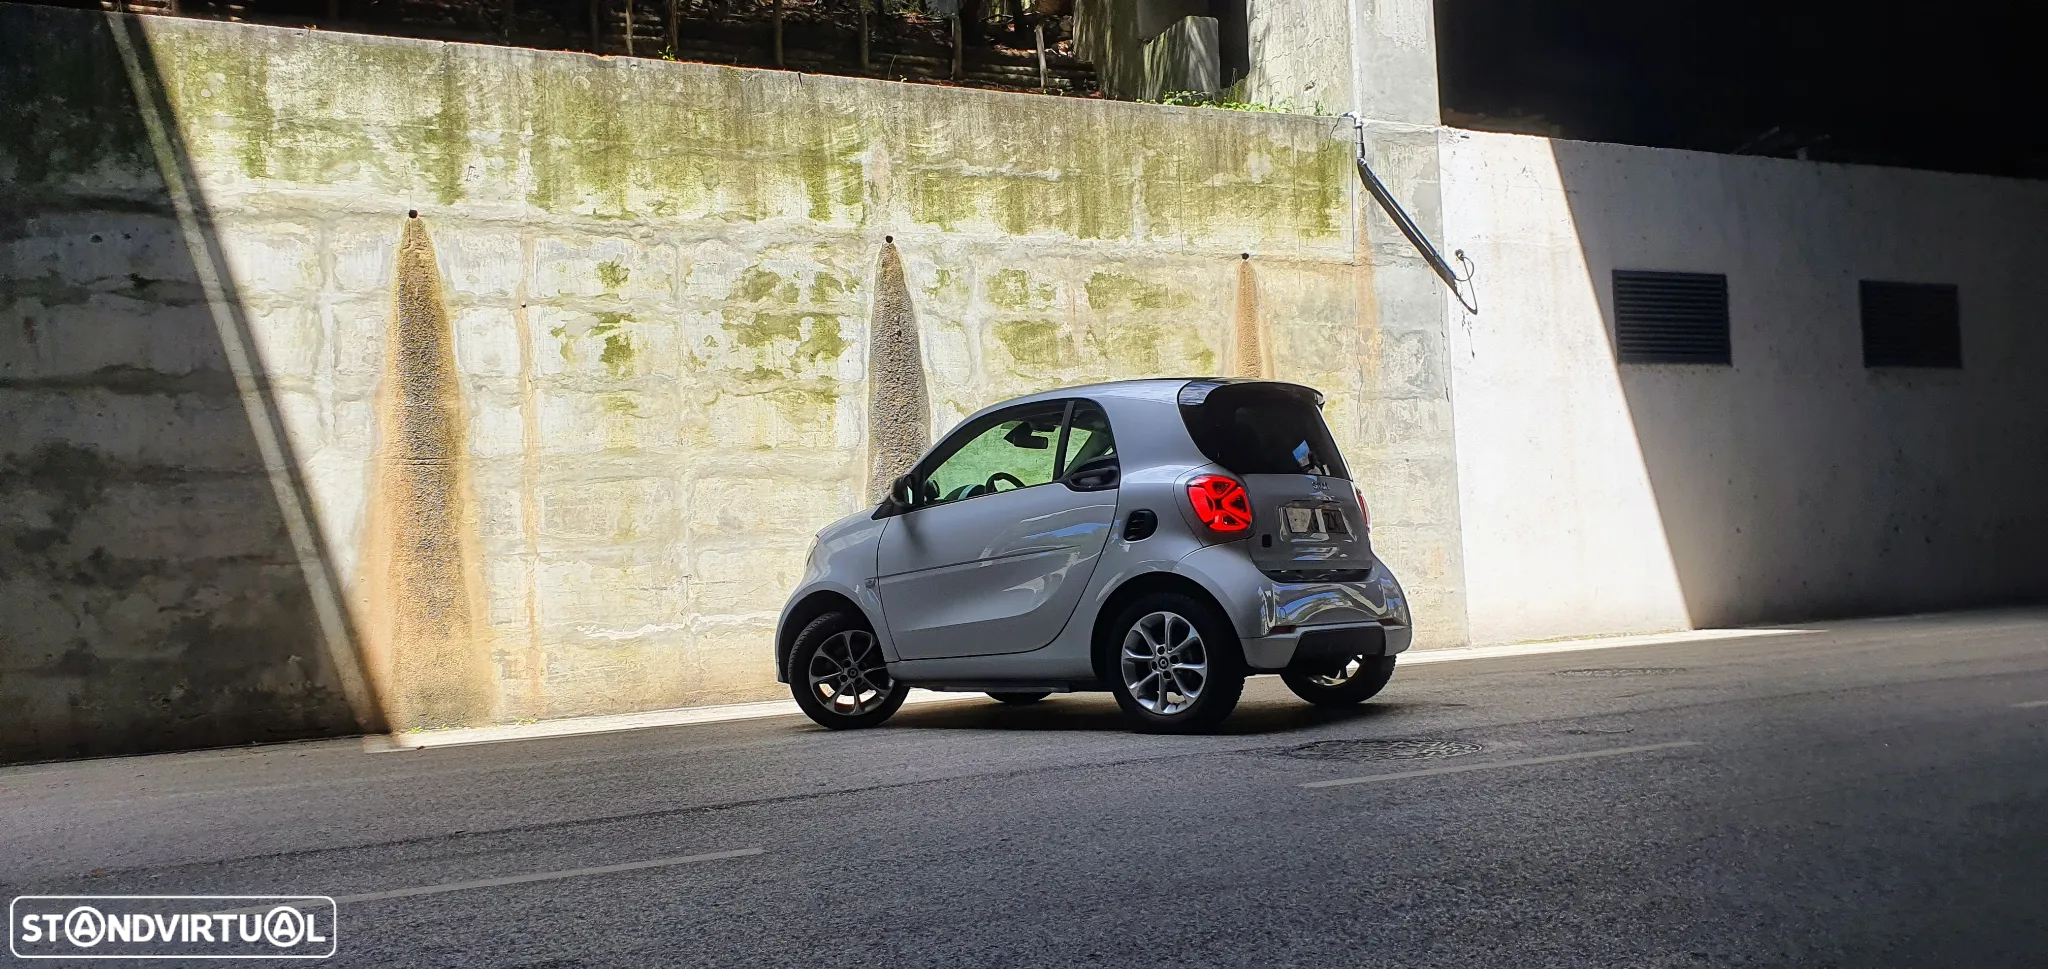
point(1160, 539)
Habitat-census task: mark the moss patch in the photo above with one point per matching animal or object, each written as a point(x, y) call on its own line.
point(1115, 291)
point(759, 285)
point(828, 287)
point(616, 350)
point(823, 342)
point(1013, 289)
point(1033, 343)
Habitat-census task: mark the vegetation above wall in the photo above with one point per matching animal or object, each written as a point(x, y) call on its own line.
point(1023, 45)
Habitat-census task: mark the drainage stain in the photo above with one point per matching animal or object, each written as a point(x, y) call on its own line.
point(1613, 671)
point(1370, 750)
point(1248, 352)
point(899, 408)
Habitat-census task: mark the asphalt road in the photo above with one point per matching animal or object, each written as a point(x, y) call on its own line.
point(1871, 793)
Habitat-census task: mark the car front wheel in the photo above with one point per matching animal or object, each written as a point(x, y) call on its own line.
point(838, 675)
point(1175, 666)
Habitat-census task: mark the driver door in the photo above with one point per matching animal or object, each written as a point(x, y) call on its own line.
point(995, 556)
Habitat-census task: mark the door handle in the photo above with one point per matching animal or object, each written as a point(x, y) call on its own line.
point(1094, 479)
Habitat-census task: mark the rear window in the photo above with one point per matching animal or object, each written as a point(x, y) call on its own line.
point(1261, 428)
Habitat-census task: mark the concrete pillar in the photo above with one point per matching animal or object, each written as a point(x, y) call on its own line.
point(1393, 57)
point(1377, 57)
point(1183, 59)
point(1300, 56)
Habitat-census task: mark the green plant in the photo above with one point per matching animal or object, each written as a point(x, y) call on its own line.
point(1225, 101)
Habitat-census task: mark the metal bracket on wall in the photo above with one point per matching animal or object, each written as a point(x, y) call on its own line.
point(1459, 285)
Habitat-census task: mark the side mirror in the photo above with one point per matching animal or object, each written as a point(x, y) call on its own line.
point(903, 492)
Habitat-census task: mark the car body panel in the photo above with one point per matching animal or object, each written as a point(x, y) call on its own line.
point(998, 573)
point(841, 559)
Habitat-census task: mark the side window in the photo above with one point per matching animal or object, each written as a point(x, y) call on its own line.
point(1006, 451)
point(1088, 439)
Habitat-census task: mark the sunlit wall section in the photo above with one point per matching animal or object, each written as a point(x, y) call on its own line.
point(1563, 534)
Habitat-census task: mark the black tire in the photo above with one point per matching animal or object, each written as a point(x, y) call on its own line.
point(1370, 678)
point(1020, 699)
point(1222, 680)
point(854, 694)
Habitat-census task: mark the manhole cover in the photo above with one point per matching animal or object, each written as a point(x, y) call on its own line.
point(1607, 671)
point(1382, 749)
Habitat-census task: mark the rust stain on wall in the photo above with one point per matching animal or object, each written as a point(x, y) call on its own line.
point(899, 409)
point(422, 603)
point(1249, 356)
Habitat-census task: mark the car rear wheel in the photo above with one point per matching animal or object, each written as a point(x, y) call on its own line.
point(1020, 699)
point(1360, 679)
point(838, 675)
point(1175, 666)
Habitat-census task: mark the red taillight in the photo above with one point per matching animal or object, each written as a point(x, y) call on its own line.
point(1221, 504)
point(1363, 511)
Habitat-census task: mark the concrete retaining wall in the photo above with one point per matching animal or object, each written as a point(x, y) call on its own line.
point(1603, 498)
point(287, 460)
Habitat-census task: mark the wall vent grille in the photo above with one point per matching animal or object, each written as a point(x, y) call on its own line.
point(1911, 325)
point(1664, 317)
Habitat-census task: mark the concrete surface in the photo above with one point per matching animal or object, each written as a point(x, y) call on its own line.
point(1111, 35)
point(1184, 58)
point(1793, 484)
point(1870, 794)
point(655, 281)
point(1394, 60)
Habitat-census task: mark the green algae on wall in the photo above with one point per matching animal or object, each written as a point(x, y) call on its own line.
point(615, 350)
point(617, 355)
point(758, 285)
point(815, 335)
point(624, 140)
point(1013, 289)
point(1035, 344)
point(1111, 292)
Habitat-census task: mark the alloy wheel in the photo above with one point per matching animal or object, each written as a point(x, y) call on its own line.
point(848, 675)
point(1164, 663)
point(1342, 675)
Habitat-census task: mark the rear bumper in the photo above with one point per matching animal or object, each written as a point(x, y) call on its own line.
point(1272, 617)
point(1309, 643)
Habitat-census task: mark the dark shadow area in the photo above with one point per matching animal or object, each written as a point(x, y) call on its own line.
point(1098, 712)
point(154, 593)
point(1888, 83)
point(1795, 483)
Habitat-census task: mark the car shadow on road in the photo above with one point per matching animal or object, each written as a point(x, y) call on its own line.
point(1098, 712)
